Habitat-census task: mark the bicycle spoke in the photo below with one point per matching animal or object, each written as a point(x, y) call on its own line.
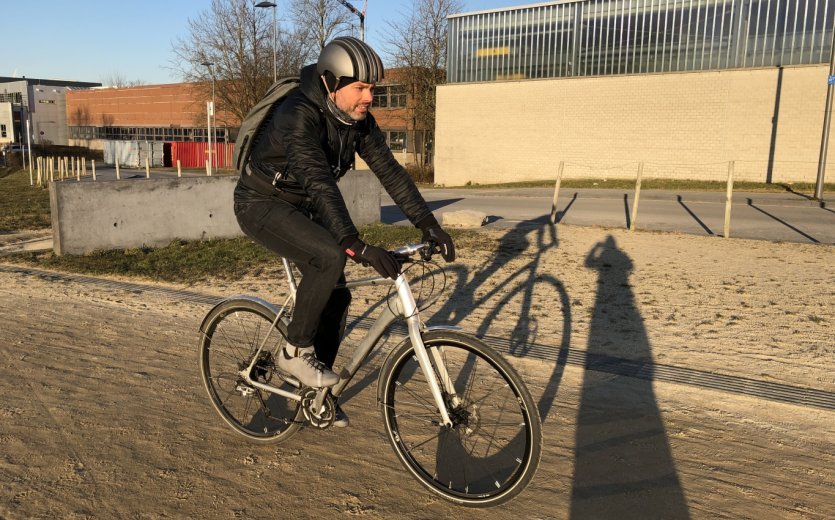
point(238, 317)
point(415, 416)
point(235, 331)
point(418, 445)
point(429, 405)
point(232, 345)
point(222, 353)
point(485, 396)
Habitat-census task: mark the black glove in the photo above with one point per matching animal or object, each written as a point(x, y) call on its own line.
point(432, 232)
point(378, 258)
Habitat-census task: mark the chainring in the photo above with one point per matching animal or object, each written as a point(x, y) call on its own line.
point(325, 417)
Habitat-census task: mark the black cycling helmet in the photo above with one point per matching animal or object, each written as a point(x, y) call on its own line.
point(349, 58)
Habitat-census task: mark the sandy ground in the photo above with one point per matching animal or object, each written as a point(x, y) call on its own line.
point(103, 415)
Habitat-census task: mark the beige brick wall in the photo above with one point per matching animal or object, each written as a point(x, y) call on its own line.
point(680, 125)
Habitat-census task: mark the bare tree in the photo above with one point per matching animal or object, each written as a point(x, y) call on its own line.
point(323, 20)
point(235, 38)
point(118, 80)
point(418, 43)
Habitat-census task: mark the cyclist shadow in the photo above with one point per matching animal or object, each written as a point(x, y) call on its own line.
point(623, 464)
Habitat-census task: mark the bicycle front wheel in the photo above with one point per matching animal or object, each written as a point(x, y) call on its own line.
point(231, 335)
point(493, 448)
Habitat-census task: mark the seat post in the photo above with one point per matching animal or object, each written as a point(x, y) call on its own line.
point(291, 278)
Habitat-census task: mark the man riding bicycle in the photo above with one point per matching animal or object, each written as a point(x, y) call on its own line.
point(288, 201)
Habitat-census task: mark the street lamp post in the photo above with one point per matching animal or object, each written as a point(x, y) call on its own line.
point(275, 37)
point(210, 114)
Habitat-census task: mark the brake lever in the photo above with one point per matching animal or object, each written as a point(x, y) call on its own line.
point(427, 252)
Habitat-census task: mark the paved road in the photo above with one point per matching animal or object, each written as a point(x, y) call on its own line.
point(789, 217)
point(786, 216)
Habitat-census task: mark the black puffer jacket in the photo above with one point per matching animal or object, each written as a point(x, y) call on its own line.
point(309, 149)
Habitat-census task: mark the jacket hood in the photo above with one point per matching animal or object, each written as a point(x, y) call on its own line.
point(311, 85)
point(314, 90)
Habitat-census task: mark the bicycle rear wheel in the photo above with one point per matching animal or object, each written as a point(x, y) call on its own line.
point(231, 335)
point(493, 448)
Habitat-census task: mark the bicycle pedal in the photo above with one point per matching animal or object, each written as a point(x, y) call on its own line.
point(245, 390)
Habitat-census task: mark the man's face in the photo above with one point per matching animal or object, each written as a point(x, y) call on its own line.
point(354, 99)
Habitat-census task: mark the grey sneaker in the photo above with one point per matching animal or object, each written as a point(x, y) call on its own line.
point(306, 368)
point(341, 420)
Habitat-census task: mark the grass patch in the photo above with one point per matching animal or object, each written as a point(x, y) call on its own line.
point(228, 259)
point(179, 261)
point(22, 206)
point(663, 184)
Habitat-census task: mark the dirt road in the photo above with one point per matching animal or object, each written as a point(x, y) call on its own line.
point(677, 377)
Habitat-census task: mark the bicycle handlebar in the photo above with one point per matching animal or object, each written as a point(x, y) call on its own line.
point(426, 250)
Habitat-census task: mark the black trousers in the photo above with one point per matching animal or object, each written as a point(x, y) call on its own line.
point(321, 311)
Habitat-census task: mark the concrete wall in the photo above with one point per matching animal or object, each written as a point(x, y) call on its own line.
point(152, 212)
point(681, 125)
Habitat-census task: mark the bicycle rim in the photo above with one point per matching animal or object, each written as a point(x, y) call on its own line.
point(493, 449)
point(229, 342)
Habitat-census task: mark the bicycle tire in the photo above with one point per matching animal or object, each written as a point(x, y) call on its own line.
point(464, 464)
point(231, 334)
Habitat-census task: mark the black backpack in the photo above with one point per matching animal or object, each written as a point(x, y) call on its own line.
point(253, 121)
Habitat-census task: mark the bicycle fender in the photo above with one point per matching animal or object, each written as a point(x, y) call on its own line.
point(433, 328)
point(253, 299)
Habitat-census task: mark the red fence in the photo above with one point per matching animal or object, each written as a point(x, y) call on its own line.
point(194, 155)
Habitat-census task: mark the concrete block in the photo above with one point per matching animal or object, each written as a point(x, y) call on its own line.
point(362, 193)
point(465, 218)
point(121, 214)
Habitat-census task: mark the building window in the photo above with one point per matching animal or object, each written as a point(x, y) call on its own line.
point(397, 96)
point(389, 96)
point(146, 133)
point(381, 97)
point(397, 141)
point(2, 130)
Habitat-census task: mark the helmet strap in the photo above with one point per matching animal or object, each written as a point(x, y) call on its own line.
point(335, 111)
point(331, 82)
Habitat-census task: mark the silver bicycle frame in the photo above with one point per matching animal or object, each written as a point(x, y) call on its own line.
point(407, 308)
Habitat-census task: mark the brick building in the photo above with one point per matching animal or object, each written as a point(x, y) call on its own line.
point(168, 112)
point(174, 113)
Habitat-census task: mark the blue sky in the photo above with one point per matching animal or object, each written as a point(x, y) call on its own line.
point(94, 39)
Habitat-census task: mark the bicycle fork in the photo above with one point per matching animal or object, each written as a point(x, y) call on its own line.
point(410, 311)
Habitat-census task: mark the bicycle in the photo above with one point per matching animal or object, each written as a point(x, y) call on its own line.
point(458, 416)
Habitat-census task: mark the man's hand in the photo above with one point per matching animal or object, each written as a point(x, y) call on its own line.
point(432, 232)
point(378, 258)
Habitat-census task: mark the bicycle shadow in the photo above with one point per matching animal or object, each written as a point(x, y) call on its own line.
point(466, 289)
point(623, 464)
point(525, 285)
point(519, 293)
